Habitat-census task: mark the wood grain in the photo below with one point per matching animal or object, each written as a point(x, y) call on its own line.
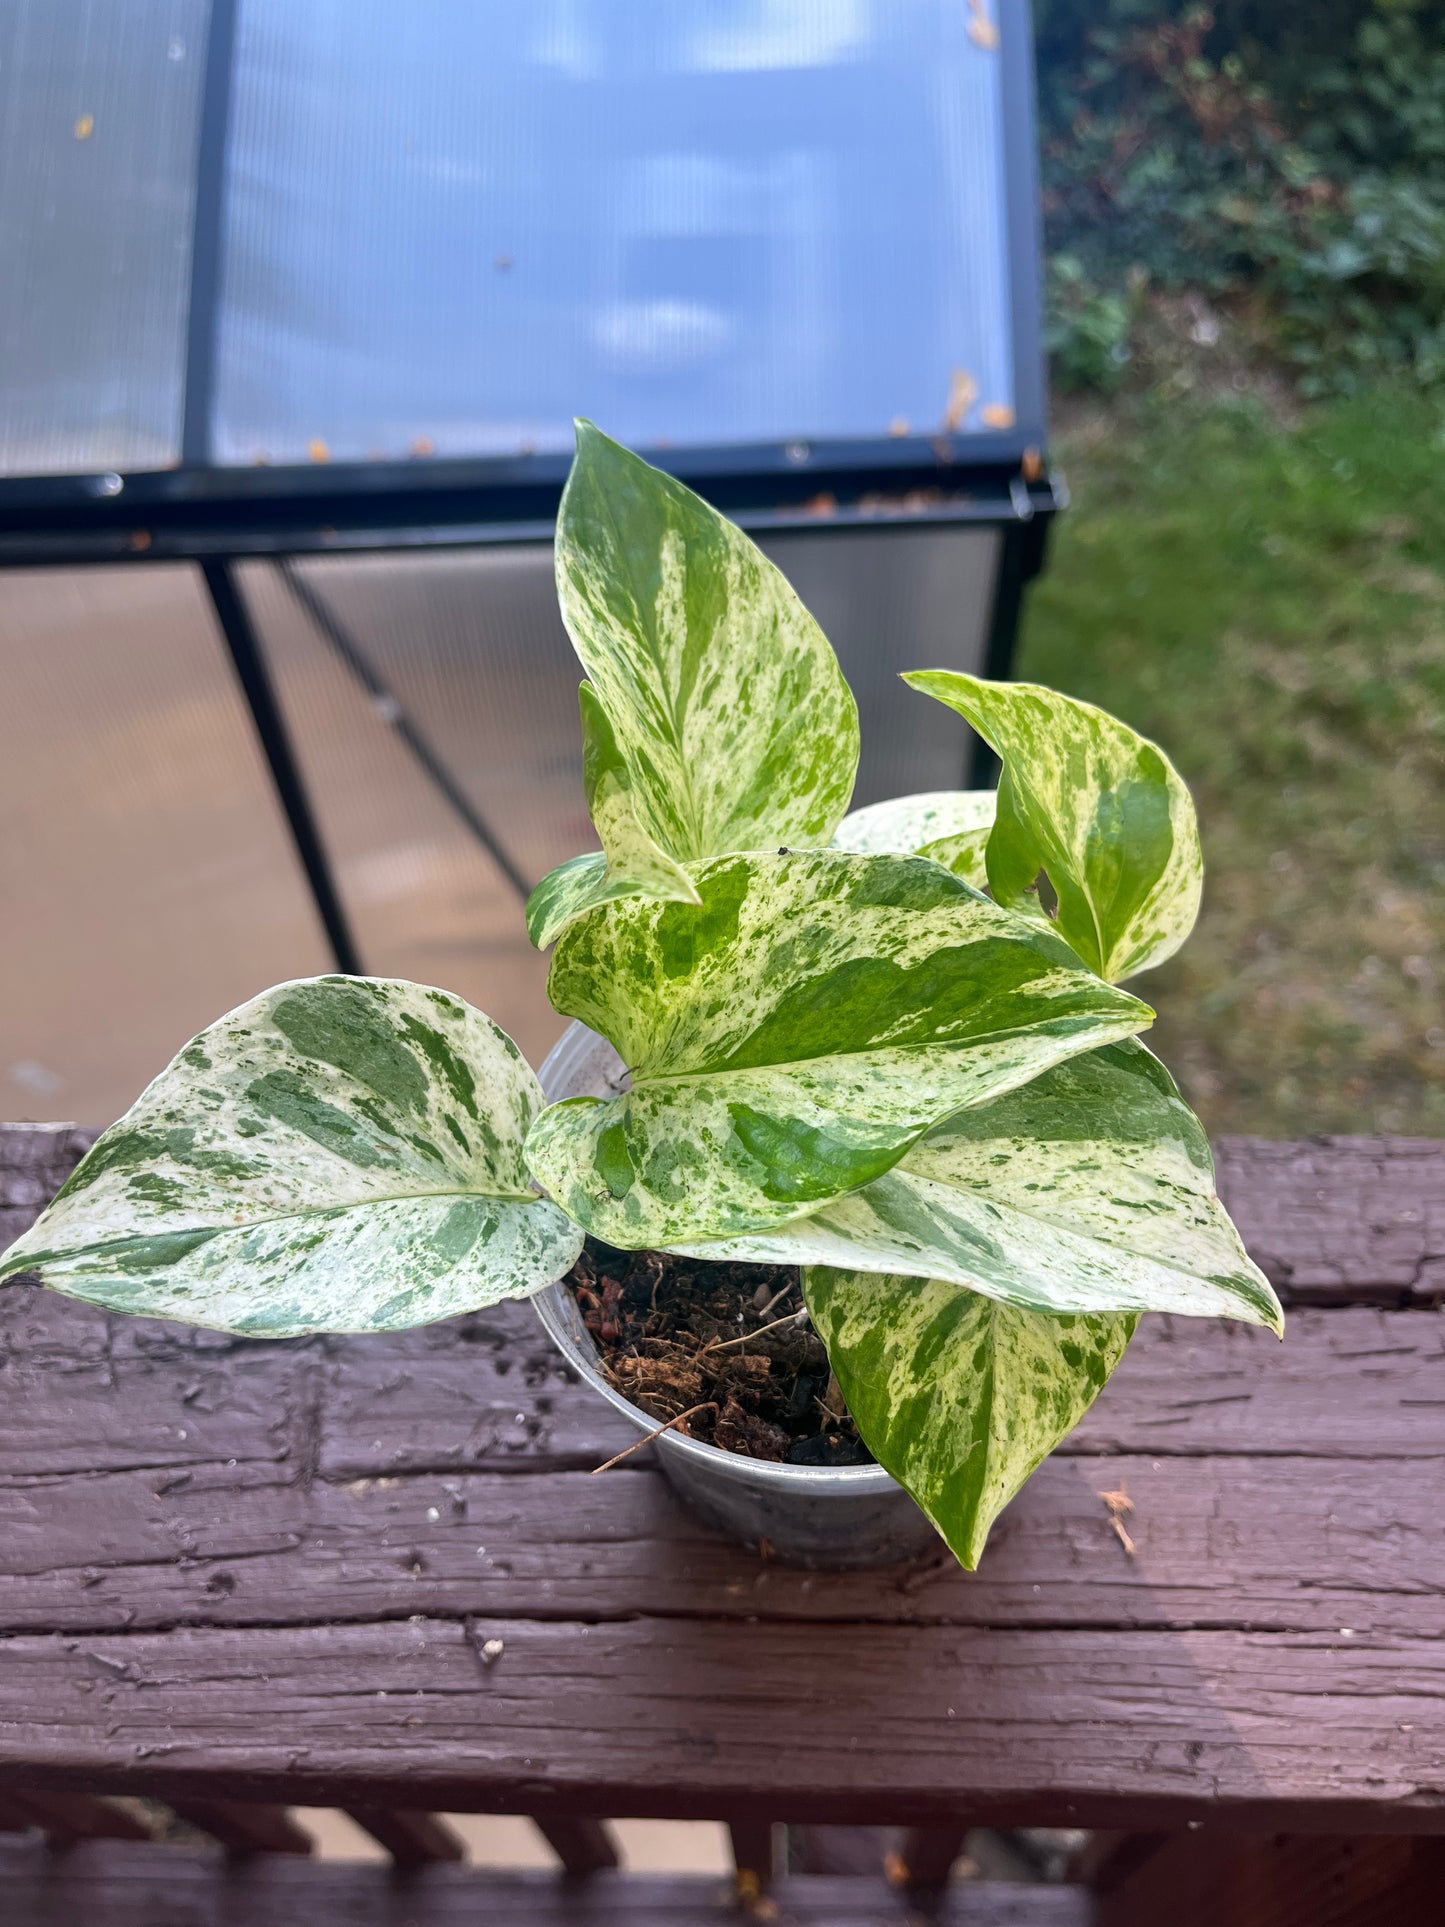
point(1341, 1220)
point(688, 1719)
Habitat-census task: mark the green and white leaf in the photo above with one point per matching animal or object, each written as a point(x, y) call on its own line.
point(339, 1154)
point(908, 825)
point(951, 826)
point(1095, 806)
point(630, 862)
point(727, 704)
point(793, 1035)
point(960, 1397)
point(1090, 1189)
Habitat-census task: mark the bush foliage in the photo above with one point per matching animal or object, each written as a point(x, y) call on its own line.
point(1287, 164)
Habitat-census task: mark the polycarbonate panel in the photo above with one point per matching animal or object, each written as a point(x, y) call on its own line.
point(146, 874)
point(452, 227)
point(468, 645)
point(892, 599)
point(99, 108)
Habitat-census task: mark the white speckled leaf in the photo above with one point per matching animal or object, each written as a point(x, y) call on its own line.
point(907, 825)
point(1091, 1189)
point(966, 854)
point(339, 1154)
point(951, 826)
point(630, 862)
point(790, 1038)
point(726, 701)
point(1095, 806)
point(960, 1397)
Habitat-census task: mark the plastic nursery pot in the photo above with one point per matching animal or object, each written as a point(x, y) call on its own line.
point(847, 1515)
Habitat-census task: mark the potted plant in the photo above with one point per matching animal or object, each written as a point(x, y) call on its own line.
point(879, 1061)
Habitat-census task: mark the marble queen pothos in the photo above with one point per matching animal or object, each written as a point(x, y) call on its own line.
point(888, 1046)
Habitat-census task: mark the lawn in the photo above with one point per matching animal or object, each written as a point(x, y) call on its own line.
point(1267, 601)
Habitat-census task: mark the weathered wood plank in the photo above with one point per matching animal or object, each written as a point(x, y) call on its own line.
point(1299, 1545)
point(1341, 1220)
point(80, 1392)
point(141, 1886)
point(684, 1718)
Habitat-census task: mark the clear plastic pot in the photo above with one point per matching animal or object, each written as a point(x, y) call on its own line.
point(853, 1515)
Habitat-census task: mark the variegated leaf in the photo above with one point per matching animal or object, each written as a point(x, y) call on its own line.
point(630, 862)
point(1095, 806)
point(790, 1038)
point(907, 825)
point(1090, 1189)
point(951, 826)
point(960, 1397)
point(339, 1154)
point(729, 710)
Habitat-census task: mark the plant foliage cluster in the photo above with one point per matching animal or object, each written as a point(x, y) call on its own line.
point(1286, 162)
point(868, 1043)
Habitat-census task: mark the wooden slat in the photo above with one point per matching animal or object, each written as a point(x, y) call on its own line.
point(897, 1724)
point(412, 1839)
point(1203, 1880)
point(77, 1816)
point(926, 1855)
point(1341, 1220)
point(83, 1392)
point(752, 1849)
point(582, 1846)
point(245, 1826)
point(141, 1886)
point(1300, 1545)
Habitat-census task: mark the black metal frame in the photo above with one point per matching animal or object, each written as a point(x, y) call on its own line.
point(216, 517)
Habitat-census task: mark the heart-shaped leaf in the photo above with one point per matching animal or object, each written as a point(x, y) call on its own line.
point(725, 698)
point(340, 1154)
point(958, 1396)
point(1095, 806)
point(1090, 1189)
point(792, 1036)
point(630, 862)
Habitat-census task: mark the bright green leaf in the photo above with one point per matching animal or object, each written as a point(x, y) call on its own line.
point(340, 1154)
point(1091, 1189)
point(630, 862)
point(792, 1036)
point(1095, 806)
point(960, 1397)
point(729, 710)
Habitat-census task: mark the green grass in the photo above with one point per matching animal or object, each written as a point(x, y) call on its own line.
point(1268, 603)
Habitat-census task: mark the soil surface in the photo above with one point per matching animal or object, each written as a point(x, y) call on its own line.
point(729, 1345)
